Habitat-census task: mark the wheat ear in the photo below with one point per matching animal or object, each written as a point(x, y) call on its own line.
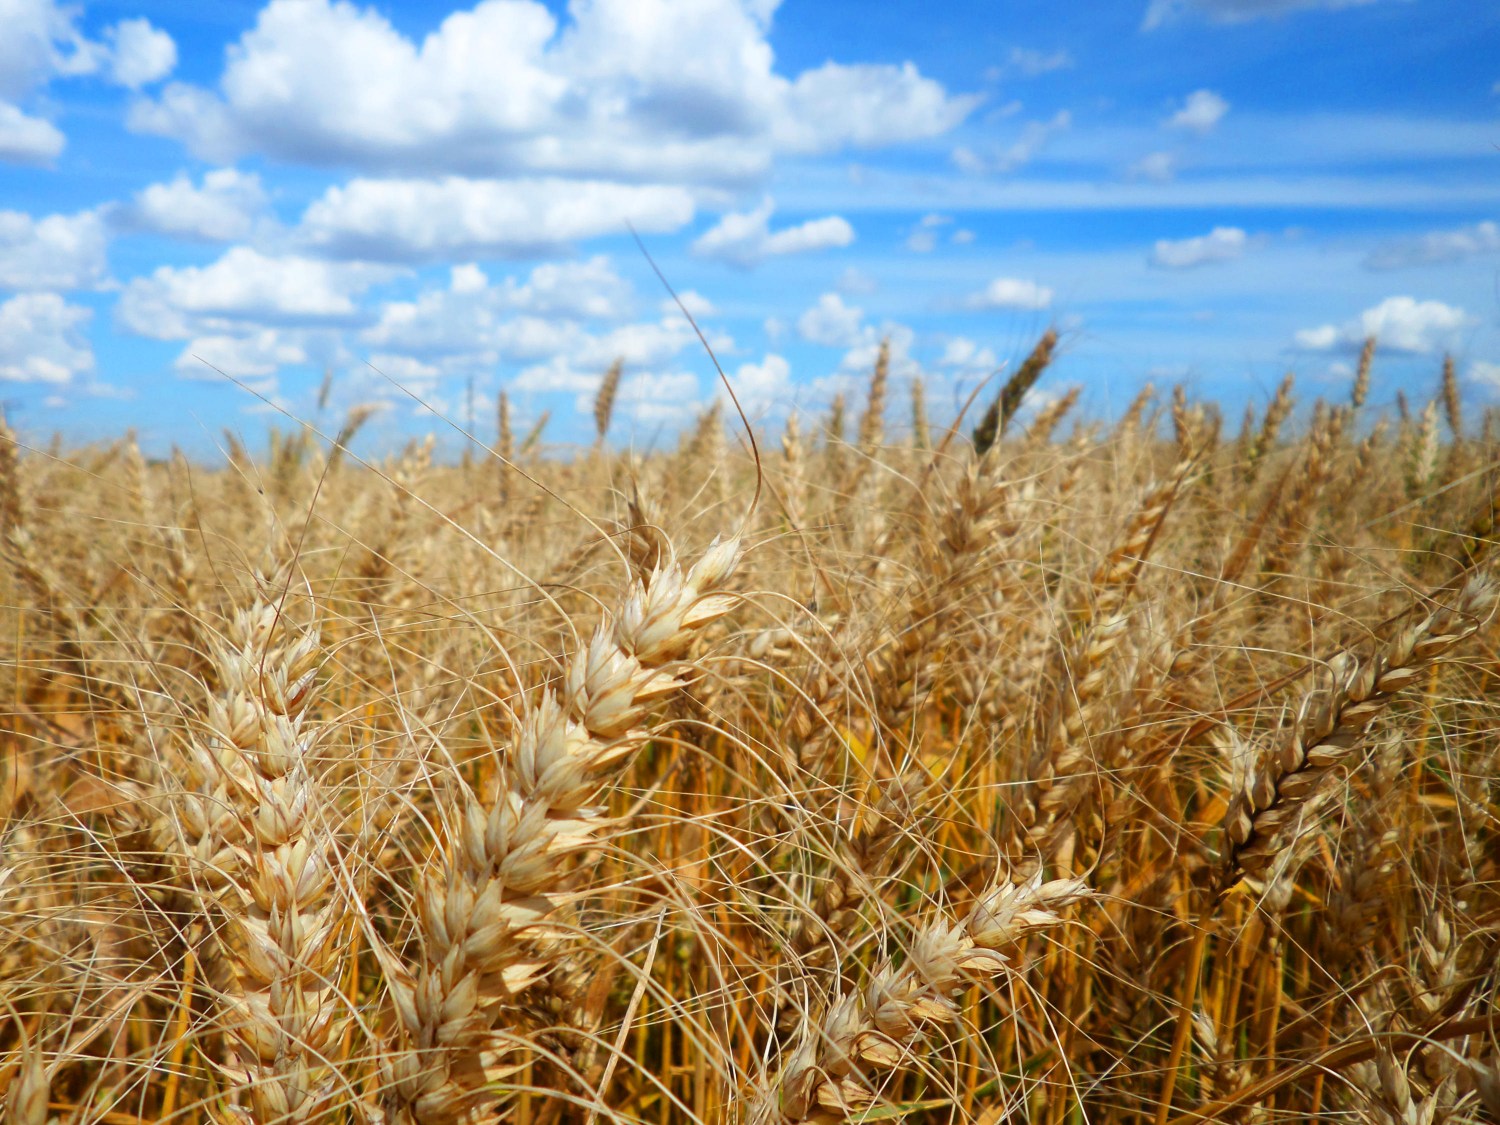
point(261, 855)
point(1330, 723)
point(834, 1072)
point(872, 421)
point(1068, 772)
point(499, 875)
point(992, 425)
point(604, 400)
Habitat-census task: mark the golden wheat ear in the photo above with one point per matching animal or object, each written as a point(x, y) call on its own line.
point(499, 870)
point(1330, 724)
point(844, 1059)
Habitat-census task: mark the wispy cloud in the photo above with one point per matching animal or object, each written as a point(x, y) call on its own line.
point(1159, 167)
point(924, 236)
point(745, 238)
point(992, 159)
point(1237, 11)
point(1436, 247)
point(1222, 244)
point(1029, 62)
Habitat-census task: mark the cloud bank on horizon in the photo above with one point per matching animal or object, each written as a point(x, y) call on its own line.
point(202, 215)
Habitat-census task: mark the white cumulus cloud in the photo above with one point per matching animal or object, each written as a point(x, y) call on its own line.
point(1200, 112)
point(416, 220)
point(831, 323)
point(55, 252)
point(694, 302)
point(854, 368)
point(762, 387)
point(669, 91)
point(1484, 374)
point(41, 41)
point(28, 140)
point(41, 339)
point(244, 287)
point(964, 355)
point(223, 208)
point(863, 105)
point(653, 397)
point(1010, 293)
point(580, 357)
point(650, 393)
point(588, 288)
point(473, 322)
point(405, 369)
point(140, 54)
point(745, 238)
point(251, 356)
point(1399, 323)
point(1222, 244)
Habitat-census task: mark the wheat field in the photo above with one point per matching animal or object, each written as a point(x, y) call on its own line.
point(1019, 767)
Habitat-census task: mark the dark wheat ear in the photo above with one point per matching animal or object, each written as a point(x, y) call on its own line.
point(992, 425)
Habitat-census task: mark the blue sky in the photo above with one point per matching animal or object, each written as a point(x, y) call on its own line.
point(204, 207)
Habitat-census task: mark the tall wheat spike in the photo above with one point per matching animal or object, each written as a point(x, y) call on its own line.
point(1008, 401)
point(1361, 388)
point(872, 422)
point(921, 432)
point(604, 399)
point(1453, 406)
